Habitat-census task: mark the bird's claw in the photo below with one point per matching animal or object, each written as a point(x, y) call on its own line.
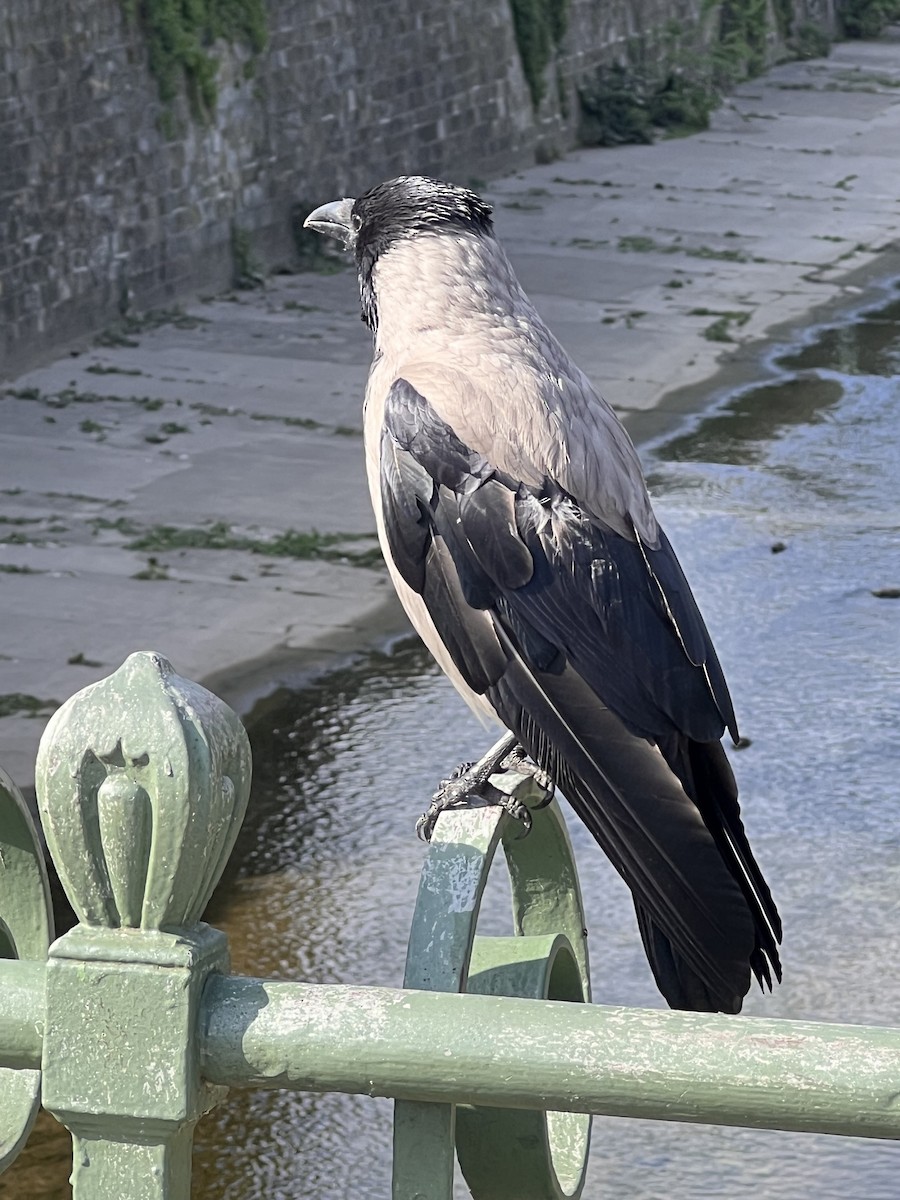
point(426, 823)
point(472, 780)
point(464, 782)
point(449, 797)
point(513, 808)
point(518, 760)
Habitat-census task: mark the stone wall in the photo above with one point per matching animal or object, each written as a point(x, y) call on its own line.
point(110, 200)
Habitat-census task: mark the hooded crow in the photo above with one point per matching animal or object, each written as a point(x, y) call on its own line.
point(518, 531)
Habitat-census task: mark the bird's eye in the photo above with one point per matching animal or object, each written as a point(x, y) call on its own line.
point(356, 222)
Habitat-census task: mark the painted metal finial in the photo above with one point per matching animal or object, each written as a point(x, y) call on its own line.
point(142, 782)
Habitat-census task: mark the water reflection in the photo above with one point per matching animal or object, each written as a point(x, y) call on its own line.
point(868, 346)
point(327, 867)
point(740, 432)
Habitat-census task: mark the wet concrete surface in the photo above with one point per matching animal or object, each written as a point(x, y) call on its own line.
point(150, 492)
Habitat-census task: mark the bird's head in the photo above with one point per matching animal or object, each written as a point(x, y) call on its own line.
point(397, 210)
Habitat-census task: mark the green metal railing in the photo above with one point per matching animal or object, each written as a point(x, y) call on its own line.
point(129, 1026)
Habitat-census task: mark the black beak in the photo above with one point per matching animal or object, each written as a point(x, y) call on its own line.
point(333, 220)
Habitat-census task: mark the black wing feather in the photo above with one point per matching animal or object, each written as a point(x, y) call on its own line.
point(591, 648)
point(592, 592)
point(406, 491)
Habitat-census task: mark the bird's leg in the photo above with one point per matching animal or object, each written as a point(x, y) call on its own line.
point(470, 779)
point(473, 779)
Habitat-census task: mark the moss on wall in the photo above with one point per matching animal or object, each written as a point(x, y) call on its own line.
point(867, 18)
point(540, 27)
point(743, 35)
point(180, 37)
point(674, 80)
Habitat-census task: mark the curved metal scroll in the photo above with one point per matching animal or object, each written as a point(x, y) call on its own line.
point(504, 1154)
point(26, 930)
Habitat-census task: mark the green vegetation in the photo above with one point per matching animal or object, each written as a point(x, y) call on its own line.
point(180, 35)
point(80, 660)
point(121, 525)
point(642, 244)
point(217, 410)
point(71, 395)
point(742, 37)
point(154, 570)
point(100, 369)
point(166, 430)
point(247, 272)
point(298, 422)
point(20, 539)
point(631, 103)
point(296, 306)
point(862, 81)
point(219, 536)
point(671, 83)
point(18, 704)
point(810, 41)
point(720, 255)
point(121, 334)
point(719, 331)
point(867, 18)
point(540, 27)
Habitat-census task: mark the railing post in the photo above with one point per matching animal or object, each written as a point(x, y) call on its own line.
point(142, 783)
point(504, 1154)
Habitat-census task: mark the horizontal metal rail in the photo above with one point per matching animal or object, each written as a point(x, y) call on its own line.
point(531, 1054)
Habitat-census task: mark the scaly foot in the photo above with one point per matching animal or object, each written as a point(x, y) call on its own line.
point(471, 779)
point(518, 760)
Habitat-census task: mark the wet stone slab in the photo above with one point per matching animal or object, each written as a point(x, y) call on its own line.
point(237, 420)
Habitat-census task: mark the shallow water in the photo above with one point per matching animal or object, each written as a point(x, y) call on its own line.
point(328, 864)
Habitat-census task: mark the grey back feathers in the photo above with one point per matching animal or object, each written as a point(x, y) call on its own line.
point(514, 518)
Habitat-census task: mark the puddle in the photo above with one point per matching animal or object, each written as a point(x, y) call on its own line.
point(867, 347)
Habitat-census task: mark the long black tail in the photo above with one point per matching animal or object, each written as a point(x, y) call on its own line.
point(706, 776)
point(669, 820)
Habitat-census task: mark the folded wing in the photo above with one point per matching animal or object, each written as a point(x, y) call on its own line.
point(590, 647)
